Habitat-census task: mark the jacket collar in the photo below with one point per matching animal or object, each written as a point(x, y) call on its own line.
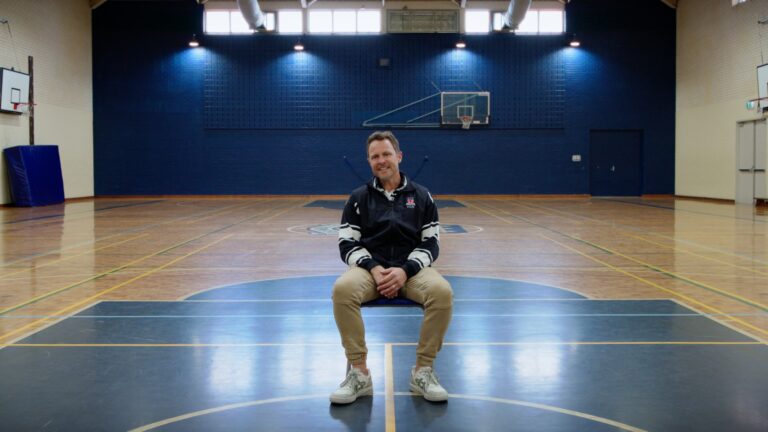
point(404, 184)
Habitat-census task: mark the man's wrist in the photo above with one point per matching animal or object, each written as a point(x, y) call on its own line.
point(410, 268)
point(369, 264)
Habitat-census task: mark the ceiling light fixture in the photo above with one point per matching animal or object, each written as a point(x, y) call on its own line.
point(194, 43)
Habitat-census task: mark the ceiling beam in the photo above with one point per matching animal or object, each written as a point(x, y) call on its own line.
point(670, 3)
point(96, 3)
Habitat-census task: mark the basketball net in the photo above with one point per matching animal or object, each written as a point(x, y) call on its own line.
point(23, 105)
point(466, 121)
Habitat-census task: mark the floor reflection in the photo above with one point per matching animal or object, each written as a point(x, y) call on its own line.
point(355, 416)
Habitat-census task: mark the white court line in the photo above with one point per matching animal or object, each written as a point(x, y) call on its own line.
point(538, 284)
point(328, 300)
point(538, 406)
point(628, 315)
point(550, 408)
point(43, 327)
point(721, 322)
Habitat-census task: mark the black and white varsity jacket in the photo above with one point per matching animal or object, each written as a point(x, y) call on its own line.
point(401, 231)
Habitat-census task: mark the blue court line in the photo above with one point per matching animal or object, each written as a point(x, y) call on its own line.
point(97, 210)
point(681, 210)
point(641, 315)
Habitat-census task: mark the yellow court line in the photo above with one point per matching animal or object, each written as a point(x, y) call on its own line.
point(643, 263)
point(388, 363)
point(4, 276)
point(629, 274)
point(675, 293)
point(101, 293)
point(4, 265)
point(675, 248)
point(288, 207)
point(335, 267)
point(92, 277)
point(689, 280)
point(719, 320)
point(116, 269)
point(681, 277)
point(389, 389)
point(539, 406)
point(233, 208)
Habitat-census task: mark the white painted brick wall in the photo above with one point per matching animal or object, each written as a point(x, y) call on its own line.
point(57, 33)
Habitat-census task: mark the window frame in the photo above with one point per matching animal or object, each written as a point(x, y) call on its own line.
point(269, 16)
point(489, 23)
point(334, 17)
point(303, 26)
point(538, 31)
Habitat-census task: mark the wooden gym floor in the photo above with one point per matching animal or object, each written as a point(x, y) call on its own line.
point(570, 314)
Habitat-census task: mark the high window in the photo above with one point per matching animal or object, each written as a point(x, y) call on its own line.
point(543, 21)
point(290, 21)
point(477, 20)
point(344, 21)
point(232, 22)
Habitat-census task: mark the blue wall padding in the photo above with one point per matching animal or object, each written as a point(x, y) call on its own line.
point(34, 174)
point(249, 115)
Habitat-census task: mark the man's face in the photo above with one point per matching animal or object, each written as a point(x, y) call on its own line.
point(384, 160)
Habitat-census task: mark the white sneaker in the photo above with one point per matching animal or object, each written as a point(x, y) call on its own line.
point(354, 385)
point(424, 382)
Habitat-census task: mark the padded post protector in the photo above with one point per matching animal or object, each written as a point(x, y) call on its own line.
point(34, 175)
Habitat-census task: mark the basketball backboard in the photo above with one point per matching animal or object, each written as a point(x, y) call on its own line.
point(465, 108)
point(14, 91)
point(762, 88)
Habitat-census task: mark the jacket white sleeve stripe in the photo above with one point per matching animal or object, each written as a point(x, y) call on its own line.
point(349, 232)
point(430, 230)
point(356, 255)
point(421, 256)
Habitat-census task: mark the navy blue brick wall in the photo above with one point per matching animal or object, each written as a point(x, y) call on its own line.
point(248, 115)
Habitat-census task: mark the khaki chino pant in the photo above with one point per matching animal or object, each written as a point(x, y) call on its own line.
point(427, 287)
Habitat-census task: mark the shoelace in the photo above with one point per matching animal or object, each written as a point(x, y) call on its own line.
point(350, 376)
point(431, 376)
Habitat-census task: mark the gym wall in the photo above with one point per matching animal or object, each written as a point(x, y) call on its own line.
point(57, 33)
point(248, 115)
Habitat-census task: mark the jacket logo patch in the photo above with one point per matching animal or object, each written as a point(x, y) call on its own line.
point(410, 202)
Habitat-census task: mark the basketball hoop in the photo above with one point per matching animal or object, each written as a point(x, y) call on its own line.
point(23, 105)
point(466, 121)
point(759, 105)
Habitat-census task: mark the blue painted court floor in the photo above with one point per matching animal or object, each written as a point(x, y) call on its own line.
point(265, 355)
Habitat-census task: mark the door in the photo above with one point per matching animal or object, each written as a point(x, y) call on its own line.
point(750, 161)
point(615, 163)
